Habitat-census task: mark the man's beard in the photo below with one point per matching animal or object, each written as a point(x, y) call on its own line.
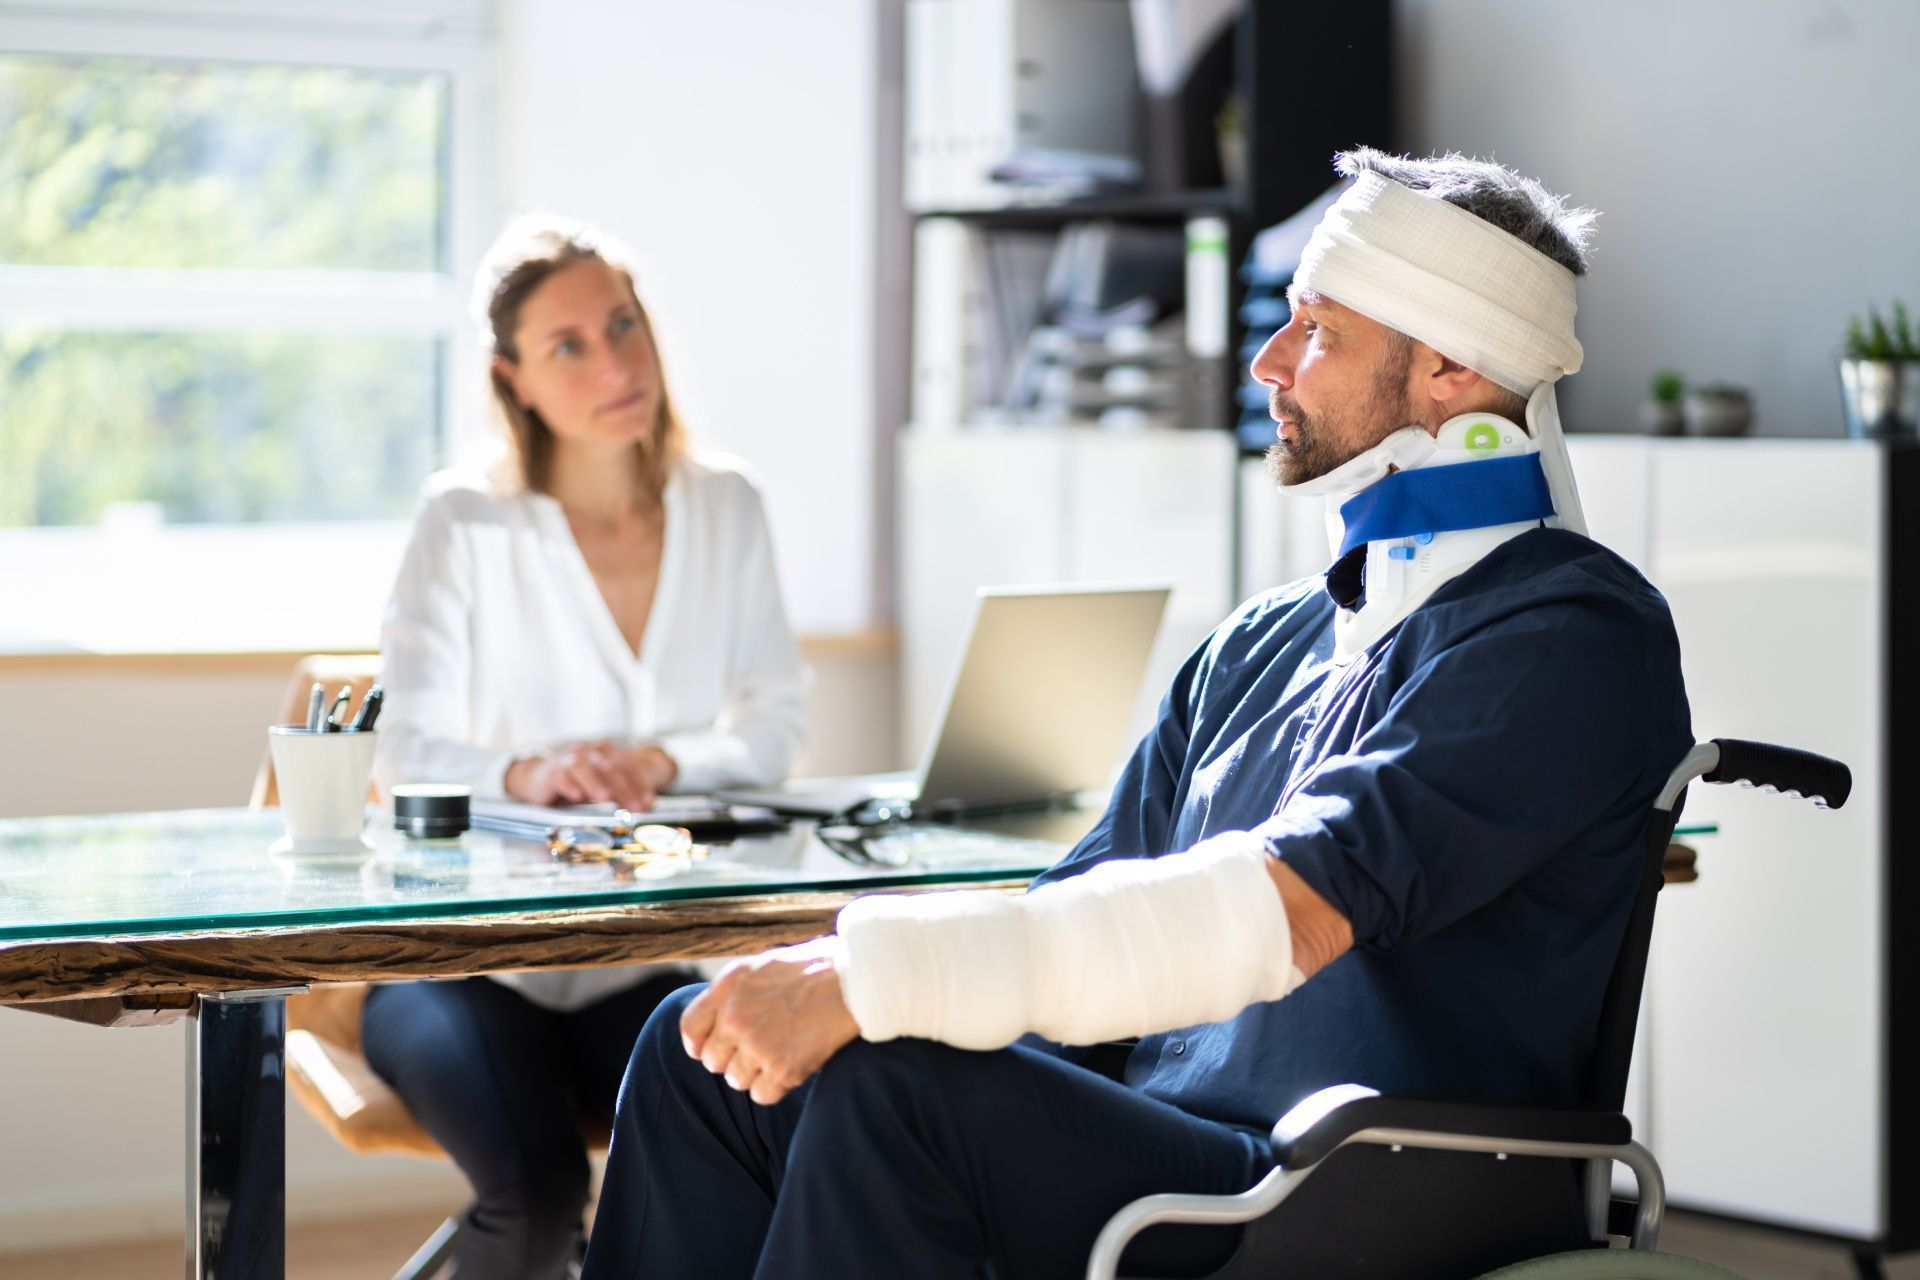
point(1313, 446)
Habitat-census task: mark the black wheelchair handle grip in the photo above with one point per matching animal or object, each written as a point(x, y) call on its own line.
point(1821, 779)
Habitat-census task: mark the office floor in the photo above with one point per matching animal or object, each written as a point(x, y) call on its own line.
point(353, 1250)
point(375, 1247)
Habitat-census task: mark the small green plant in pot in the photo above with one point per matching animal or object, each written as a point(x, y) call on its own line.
point(1880, 376)
point(1661, 415)
point(1718, 409)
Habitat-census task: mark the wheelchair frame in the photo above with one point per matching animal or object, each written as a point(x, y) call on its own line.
point(1350, 1114)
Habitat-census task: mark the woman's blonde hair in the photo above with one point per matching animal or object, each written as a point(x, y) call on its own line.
point(527, 253)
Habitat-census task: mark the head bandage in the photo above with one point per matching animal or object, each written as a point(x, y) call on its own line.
point(1465, 288)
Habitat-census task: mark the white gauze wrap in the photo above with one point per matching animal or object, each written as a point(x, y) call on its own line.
point(1128, 948)
point(1464, 287)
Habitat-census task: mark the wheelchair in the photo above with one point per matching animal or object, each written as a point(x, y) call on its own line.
point(1387, 1188)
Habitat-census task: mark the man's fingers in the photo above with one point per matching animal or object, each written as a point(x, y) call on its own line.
point(767, 1089)
point(696, 1021)
point(761, 1025)
point(717, 1048)
point(717, 1053)
point(742, 1072)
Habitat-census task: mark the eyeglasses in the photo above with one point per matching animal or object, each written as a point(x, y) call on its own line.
point(624, 842)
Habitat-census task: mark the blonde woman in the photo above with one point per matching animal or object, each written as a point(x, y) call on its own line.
point(598, 621)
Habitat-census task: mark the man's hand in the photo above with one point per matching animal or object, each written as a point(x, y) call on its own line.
point(593, 773)
point(1321, 934)
point(770, 1021)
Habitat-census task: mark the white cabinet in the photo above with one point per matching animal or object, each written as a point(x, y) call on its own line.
point(1767, 1081)
point(1613, 474)
point(1022, 506)
point(1768, 975)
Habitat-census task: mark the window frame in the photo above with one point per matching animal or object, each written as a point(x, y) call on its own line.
point(454, 38)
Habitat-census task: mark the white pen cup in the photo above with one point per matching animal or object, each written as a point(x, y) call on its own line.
point(323, 789)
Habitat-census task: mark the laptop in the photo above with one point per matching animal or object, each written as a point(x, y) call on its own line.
point(1036, 713)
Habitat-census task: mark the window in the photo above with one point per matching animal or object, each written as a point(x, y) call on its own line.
point(234, 242)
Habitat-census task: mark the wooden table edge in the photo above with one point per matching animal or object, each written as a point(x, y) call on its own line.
point(160, 974)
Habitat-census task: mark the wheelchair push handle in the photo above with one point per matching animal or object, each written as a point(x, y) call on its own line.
point(1821, 779)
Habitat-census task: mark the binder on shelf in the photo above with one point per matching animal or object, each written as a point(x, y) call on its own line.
point(1040, 91)
point(948, 322)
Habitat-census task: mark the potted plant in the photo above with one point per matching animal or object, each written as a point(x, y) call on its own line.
point(1661, 415)
point(1718, 409)
point(1880, 376)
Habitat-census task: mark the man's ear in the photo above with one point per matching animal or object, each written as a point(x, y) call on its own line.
point(1446, 380)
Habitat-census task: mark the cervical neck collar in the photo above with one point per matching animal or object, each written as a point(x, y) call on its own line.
point(1427, 508)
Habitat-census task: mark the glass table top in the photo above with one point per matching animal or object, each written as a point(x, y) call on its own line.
point(176, 872)
point(167, 873)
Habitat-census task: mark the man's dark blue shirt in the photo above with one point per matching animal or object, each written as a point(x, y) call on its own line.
point(1470, 793)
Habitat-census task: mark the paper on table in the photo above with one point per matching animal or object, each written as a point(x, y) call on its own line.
point(667, 809)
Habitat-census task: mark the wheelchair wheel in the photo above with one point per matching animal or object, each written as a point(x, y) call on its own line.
point(1613, 1264)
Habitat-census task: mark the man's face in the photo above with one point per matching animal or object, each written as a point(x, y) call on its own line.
point(1336, 383)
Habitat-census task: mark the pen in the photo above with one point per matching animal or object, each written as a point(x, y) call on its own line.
point(337, 716)
point(316, 707)
point(369, 710)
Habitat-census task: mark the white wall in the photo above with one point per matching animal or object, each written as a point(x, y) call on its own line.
point(732, 147)
point(1754, 160)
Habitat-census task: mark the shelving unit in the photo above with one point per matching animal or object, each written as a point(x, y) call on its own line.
point(1306, 80)
point(1013, 503)
point(1145, 206)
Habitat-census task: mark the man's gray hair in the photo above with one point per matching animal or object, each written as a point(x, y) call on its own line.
point(1491, 192)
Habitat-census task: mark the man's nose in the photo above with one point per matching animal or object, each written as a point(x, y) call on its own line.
point(1273, 364)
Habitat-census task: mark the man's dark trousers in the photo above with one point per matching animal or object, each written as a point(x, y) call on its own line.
point(907, 1158)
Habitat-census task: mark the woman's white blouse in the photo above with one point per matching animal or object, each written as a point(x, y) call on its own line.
point(497, 643)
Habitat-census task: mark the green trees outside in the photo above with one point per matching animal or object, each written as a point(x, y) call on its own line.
point(125, 163)
point(120, 162)
point(216, 428)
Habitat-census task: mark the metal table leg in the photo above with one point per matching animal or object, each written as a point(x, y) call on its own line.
point(237, 1137)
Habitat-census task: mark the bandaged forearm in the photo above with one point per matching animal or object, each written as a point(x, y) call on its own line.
point(1128, 948)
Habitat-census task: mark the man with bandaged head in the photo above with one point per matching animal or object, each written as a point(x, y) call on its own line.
point(1386, 830)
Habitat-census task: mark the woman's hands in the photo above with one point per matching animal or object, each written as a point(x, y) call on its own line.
point(770, 1021)
point(593, 773)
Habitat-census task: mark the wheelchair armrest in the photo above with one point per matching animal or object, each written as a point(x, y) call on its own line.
point(1310, 1132)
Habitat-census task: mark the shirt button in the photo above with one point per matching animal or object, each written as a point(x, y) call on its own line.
point(1179, 1047)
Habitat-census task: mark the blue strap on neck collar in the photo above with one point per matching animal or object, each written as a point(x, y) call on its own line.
point(1464, 495)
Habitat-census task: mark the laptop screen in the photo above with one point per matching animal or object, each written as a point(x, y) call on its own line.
point(1040, 705)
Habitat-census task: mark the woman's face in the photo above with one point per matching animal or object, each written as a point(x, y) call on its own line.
point(587, 364)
